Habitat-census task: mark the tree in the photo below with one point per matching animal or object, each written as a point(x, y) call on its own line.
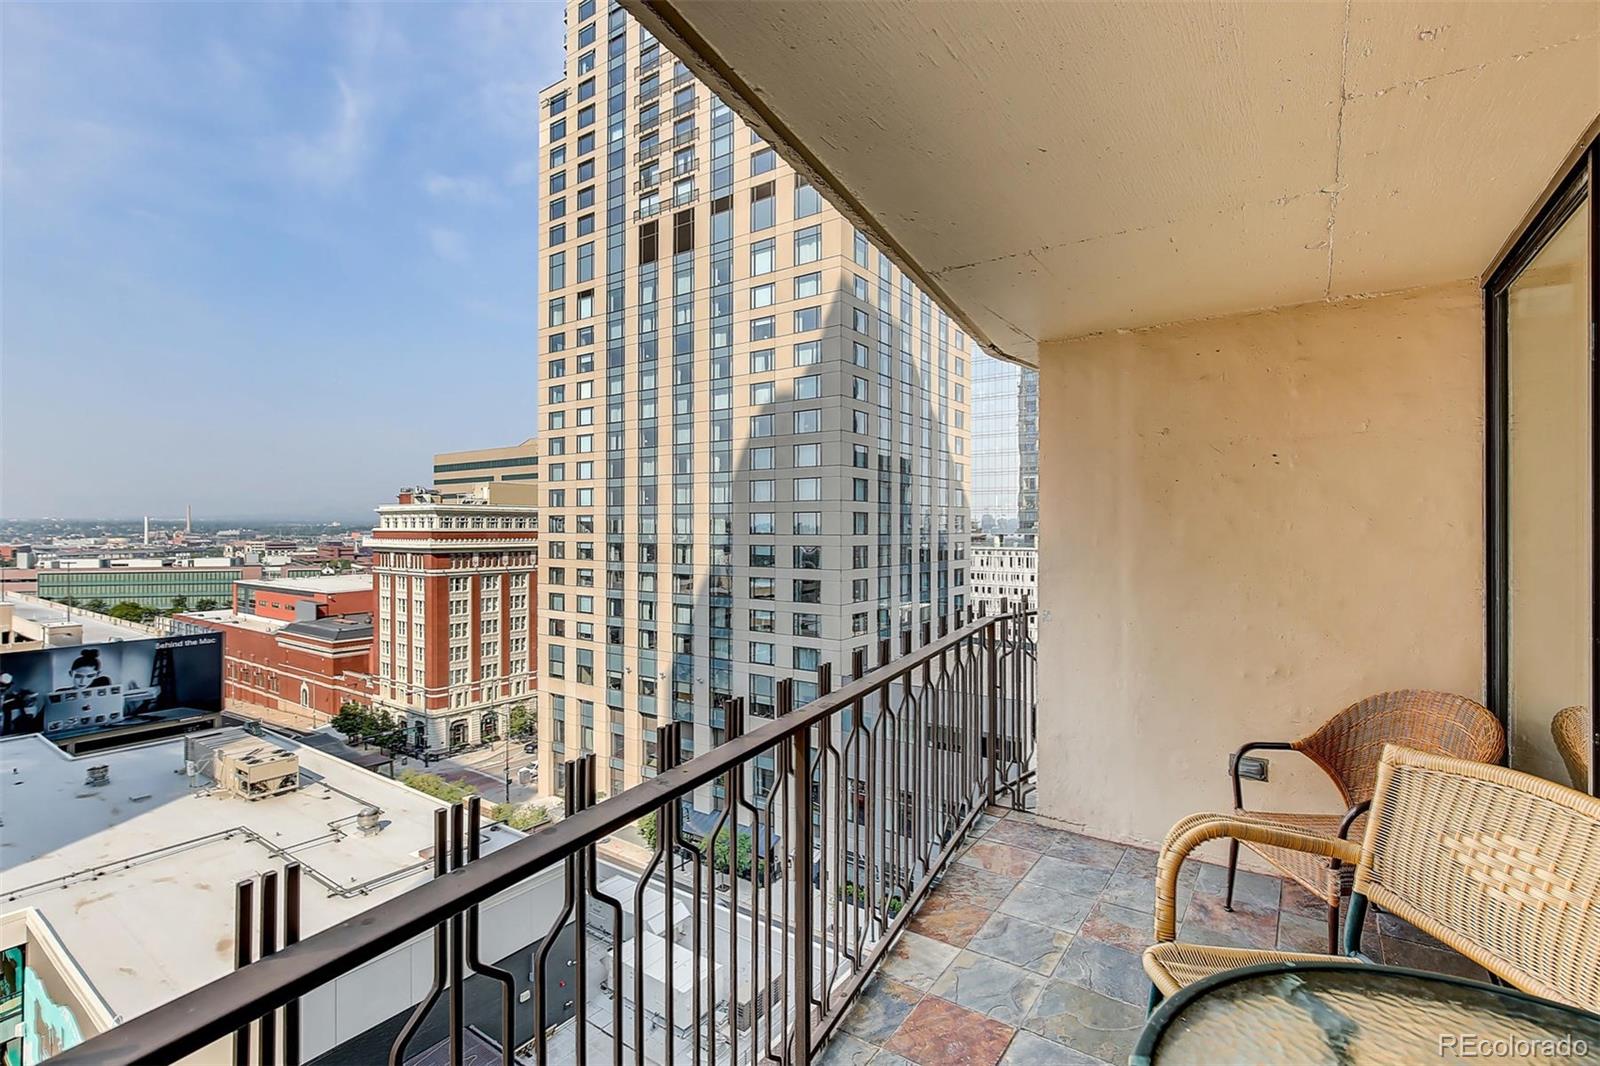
point(647, 830)
point(355, 720)
point(743, 852)
point(127, 611)
point(436, 786)
point(205, 605)
point(96, 605)
point(386, 731)
point(522, 721)
point(180, 604)
point(520, 818)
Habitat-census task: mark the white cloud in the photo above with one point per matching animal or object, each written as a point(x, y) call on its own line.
point(465, 188)
point(372, 54)
point(448, 244)
point(335, 156)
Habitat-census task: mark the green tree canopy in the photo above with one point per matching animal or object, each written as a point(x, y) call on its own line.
point(743, 852)
point(522, 721)
point(520, 818)
point(436, 786)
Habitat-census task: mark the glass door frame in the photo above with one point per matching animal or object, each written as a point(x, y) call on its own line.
point(1578, 184)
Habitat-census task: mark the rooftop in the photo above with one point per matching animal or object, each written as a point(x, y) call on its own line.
point(136, 876)
point(252, 622)
point(96, 630)
point(325, 583)
point(349, 627)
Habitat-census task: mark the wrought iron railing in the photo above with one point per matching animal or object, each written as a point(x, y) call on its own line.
point(835, 820)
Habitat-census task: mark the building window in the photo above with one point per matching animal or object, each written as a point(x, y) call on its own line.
point(683, 232)
point(806, 200)
point(763, 207)
point(808, 245)
point(763, 257)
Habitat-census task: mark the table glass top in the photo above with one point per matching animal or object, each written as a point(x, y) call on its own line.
point(1361, 1015)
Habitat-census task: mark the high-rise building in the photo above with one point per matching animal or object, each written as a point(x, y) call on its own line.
point(996, 463)
point(1005, 446)
point(457, 578)
point(462, 471)
point(755, 426)
point(1028, 450)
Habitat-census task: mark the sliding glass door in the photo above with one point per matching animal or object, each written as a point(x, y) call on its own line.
point(1542, 488)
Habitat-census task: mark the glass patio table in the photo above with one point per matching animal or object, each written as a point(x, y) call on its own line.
point(1354, 1014)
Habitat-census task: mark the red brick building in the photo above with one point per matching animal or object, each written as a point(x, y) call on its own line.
point(291, 598)
point(337, 549)
point(456, 580)
point(299, 646)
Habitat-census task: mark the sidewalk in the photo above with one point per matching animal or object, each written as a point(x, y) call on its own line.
point(305, 721)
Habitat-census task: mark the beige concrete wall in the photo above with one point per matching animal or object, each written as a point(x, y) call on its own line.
point(1249, 523)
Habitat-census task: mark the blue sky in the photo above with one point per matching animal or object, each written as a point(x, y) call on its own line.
point(263, 258)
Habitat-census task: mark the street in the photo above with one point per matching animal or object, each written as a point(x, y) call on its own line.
point(485, 769)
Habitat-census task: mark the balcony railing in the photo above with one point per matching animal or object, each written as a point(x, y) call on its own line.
point(841, 814)
point(665, 203)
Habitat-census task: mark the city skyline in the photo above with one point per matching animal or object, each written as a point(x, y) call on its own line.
point(264, 228)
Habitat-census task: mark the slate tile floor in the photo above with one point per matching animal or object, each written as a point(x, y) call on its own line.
point(1028, 951)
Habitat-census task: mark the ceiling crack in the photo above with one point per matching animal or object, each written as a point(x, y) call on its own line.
point(1338, 148)
point(1515, 57)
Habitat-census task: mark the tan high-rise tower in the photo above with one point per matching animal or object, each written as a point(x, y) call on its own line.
point(755, 427)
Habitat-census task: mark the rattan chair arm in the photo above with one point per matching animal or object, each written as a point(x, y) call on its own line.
point(1197, 829)
point(1233, 765)
point(1350, 817)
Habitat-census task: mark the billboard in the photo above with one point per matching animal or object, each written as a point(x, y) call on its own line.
point(69, 691)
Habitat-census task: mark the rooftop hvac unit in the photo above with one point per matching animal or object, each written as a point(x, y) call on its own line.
point(254, 769)
point(750, 1007)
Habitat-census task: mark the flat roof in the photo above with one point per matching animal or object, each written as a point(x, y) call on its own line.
point(337, 627)
point(253, 622)
point(316, 583)
point(95, 630)
point(137, 876)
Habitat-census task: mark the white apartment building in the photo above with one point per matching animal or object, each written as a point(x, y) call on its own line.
point(1004, 571)
point(756, 440)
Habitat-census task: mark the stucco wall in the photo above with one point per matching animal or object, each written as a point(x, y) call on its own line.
point(1249, 523)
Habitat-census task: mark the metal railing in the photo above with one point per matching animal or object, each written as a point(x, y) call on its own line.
point(666, 203)
point(837, 819)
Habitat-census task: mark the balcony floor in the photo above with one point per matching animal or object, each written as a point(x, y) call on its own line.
point(1028, 951)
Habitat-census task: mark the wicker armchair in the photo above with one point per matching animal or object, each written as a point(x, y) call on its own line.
point(1347, 748)
point(1502, 866)
point(1571, 727)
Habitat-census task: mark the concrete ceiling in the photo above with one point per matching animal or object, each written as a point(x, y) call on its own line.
point(1050, 170)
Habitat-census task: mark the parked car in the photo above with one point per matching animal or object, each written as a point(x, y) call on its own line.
point(531, 747)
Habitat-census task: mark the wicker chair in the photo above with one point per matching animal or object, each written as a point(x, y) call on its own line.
point(1502, 866)
point(1347, 748)
point(1571, 727)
